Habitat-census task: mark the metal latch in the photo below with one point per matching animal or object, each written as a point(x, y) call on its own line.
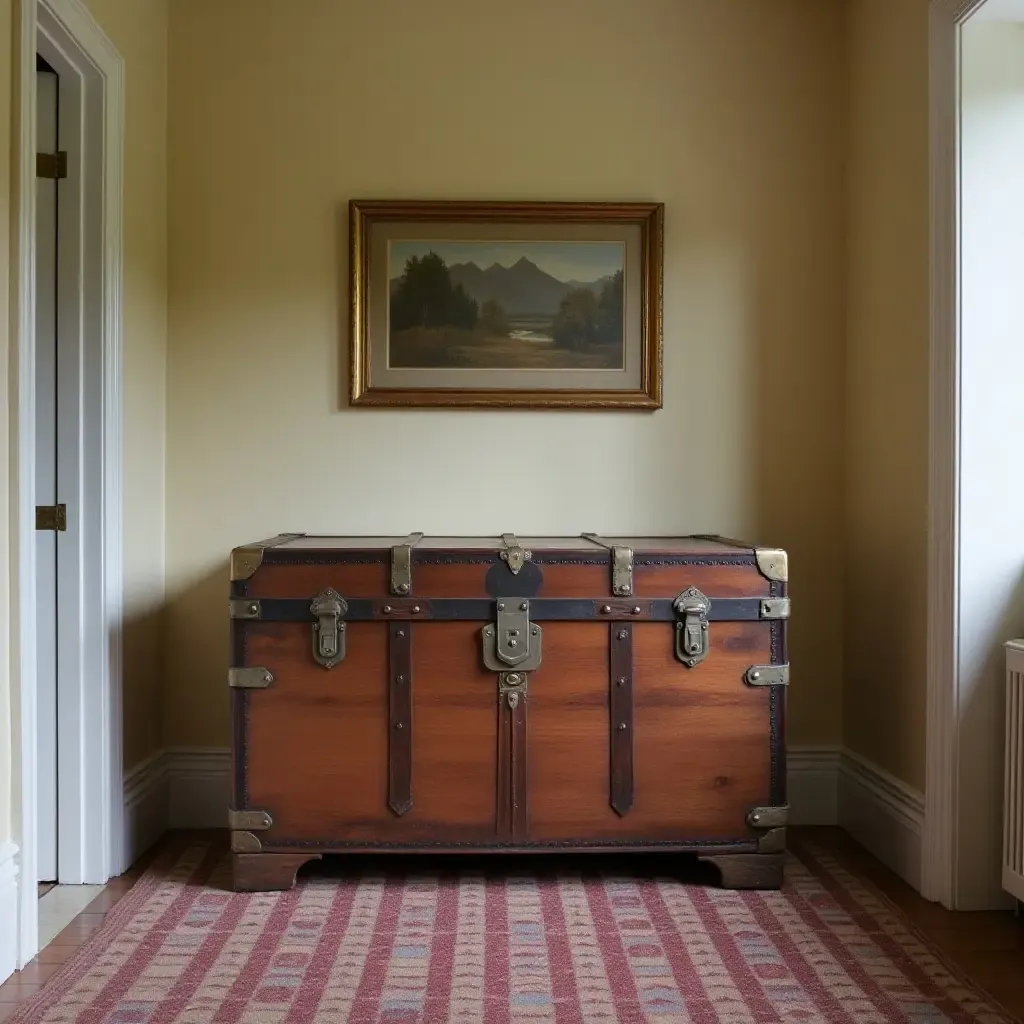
point(514, 641)
point(328, 632)
point(514, 553)
point(692, 640)
point(401, 564)
point(52, 517)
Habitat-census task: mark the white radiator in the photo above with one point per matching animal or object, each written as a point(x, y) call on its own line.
point(1013, 782)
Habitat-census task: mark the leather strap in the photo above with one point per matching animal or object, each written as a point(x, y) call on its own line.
point(400, 716)
point(512, 818)
point(621, 716)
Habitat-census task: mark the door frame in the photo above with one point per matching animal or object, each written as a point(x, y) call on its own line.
point(947, 847)
point(91, 826)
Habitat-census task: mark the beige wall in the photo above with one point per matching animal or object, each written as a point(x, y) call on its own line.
point(138, 28)
point(730, 113)
point(887, 386)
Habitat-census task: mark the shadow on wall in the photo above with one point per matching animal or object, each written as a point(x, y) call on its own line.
point(196, 625)
point(144, 680)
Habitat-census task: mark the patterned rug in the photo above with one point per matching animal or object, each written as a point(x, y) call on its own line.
point(503, 942)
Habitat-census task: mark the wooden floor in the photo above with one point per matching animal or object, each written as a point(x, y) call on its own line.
point(988, 946)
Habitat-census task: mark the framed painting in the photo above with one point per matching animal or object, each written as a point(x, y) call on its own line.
point(469, 304)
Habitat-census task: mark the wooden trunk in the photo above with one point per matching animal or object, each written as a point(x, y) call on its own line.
point(495, 694)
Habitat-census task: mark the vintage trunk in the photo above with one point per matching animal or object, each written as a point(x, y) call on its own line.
point(495, 694)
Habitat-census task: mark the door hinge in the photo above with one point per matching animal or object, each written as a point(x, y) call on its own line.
point(52, 165)
point(52, 517)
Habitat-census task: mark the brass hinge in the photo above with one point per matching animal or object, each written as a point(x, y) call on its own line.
point(513, 552)
point(622, 564)
point(767, 675)
point(401, 564)
point(247, 559)
point(52, 517)
point(52, 165)
point(249, 678)
point(249, 821)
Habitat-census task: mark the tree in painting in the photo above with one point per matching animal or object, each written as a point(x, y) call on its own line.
point(475, 313)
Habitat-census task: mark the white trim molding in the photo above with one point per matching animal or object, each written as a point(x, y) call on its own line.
point(8, 910)
point(90, 777)
point(941, 838)
point(884, 815)
point(145, 805)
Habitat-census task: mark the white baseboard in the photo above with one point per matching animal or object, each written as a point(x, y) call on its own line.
point(883, 814)
point(812, 781)
point(8, 910)
point(191, 788)
point(145, 805)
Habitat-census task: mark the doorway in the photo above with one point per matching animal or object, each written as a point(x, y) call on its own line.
point(67, 412)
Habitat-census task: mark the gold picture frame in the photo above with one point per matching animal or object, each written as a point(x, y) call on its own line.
point(506, 304)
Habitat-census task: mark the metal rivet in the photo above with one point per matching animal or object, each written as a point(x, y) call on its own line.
point(755, 675)
point(512, 679)
point(254, 608)
point(399, 679)
point(679, 625)
point(523, 607)
point(513, 643)
point(755, 819)
point(622, 680)
point(401, 632)
point(636, 609)
point(398, 725)
point(606, 609)
point(386, 609)
point(622, 726)
point(403, 588)
point(534, 631)
point(703, 625)
point(415, 609)
point(623, 634)
point(527, 554)
point(489, 631)
point(501, 606)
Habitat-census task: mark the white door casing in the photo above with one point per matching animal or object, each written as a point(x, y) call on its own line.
point(46, 478)
point(90, 819)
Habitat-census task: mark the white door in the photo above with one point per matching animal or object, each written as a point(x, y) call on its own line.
point(46, 472)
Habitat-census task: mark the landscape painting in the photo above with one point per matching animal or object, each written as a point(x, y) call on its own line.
point(464, 303)
point(506, 304)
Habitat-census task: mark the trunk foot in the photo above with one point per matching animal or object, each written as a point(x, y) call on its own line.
point(267, 872)
point(748, 870)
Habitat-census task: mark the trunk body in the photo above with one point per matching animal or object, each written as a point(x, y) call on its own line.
point(497, 694)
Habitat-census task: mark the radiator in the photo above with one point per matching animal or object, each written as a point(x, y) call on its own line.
point(1013, 781)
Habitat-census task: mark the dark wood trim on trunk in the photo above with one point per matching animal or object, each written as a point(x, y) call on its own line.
point(620, 706)
point(400, 716)
point(517, 770)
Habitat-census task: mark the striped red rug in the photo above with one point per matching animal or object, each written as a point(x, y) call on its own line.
point(479, 947)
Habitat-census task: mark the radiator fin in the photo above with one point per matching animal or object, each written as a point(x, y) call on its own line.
point(1013, 781)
